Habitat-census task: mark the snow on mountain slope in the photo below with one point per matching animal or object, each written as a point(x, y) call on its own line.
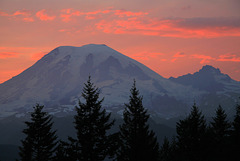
point(209, 79)
point(218, 88)
point(57, 80)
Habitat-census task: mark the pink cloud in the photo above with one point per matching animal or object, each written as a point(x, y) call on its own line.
point(5, 55)
point(205, 58)
point(62, 30)
point(22, 13)
point(69, 13)
point(43, 16)
point(4, 14)
point(28, 19)
point(163, 60)
point(140, 23)
point(123, 13)
point(179, 55)
point(97, 12)
point(13, 49)
point(229, 57)
point(183, 28)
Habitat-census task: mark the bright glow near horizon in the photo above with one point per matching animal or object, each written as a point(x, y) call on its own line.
point(172, 37)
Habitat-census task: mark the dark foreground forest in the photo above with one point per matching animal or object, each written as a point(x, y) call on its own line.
point(195, 140)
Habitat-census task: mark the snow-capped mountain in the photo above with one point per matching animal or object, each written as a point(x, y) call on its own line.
point(57, 80)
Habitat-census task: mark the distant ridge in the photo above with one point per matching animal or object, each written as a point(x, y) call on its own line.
point(209, 79)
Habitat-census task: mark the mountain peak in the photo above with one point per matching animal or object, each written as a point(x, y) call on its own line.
point(56, 79)
point(210, 69)
point(87, 46)
point(84, 46)
point(208, 79)
point(96, 49)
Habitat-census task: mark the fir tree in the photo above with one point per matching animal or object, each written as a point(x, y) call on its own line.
point(220, 126)
point(191, 136)
point(137, 141)
point(40, 141)
point(92, 122)
point(220, 129)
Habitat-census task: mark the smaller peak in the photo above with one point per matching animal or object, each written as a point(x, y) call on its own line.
point(208, 68)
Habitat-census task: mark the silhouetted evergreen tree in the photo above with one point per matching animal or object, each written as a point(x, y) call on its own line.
point(40, 141)
point(137, 141)
point(191, 136)
point(235, 134)
point(220, 128)
point(92, 122)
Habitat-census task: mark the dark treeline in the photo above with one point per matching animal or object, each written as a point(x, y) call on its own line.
point(135, 141)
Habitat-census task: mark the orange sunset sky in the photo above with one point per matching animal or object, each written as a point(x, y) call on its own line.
point(172, 37)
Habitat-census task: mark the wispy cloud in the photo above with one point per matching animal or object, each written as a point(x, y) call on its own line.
point(204, 58)
point(43, 16)
point(5, 14)
point(7, 49)
point(68, 14)
point(28, 19)
point(22, 13)
point(124, 13)
point(25, 15)
point(229, 58)
point(5, 55)
point(178, 55)
point(178, 27)
point(127, 22)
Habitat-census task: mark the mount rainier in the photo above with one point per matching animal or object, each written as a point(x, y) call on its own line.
point(57, 79)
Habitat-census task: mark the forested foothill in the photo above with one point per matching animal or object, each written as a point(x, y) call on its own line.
point(134, 140)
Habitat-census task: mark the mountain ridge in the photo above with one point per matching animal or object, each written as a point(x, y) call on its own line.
point(57, 79)
point(216, 80)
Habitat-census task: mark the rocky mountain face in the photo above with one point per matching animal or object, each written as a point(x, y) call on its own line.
point(57, 80)
point(209, 79)
point(217, 88)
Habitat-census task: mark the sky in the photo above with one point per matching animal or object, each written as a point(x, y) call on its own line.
point(172, 37)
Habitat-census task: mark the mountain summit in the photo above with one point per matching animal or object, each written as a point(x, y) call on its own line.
point(57, 80)
point(208, 79)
